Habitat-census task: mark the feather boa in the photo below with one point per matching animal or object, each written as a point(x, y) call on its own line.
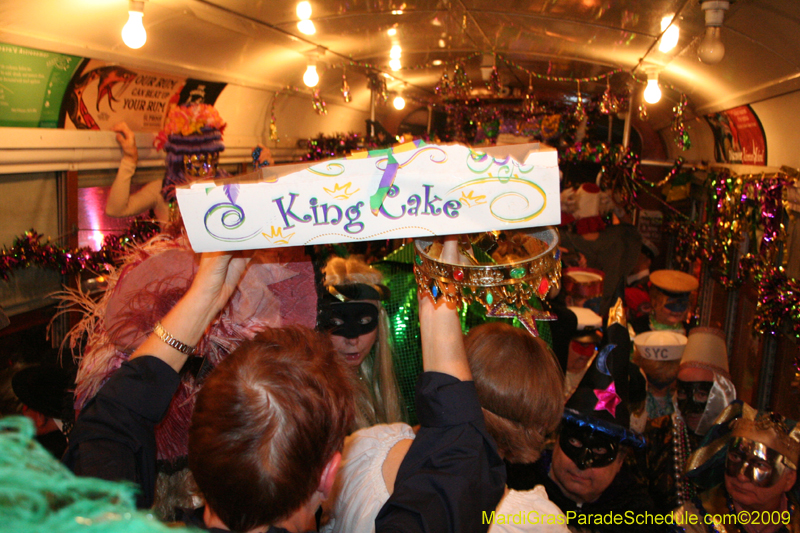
point(278, 289)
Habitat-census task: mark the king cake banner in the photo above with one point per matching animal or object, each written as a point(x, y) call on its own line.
point(410, 190)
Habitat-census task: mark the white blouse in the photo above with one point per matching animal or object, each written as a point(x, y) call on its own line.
point(360, 491)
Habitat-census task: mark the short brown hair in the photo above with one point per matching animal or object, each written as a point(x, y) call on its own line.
point(520, 386)
point(266, 422)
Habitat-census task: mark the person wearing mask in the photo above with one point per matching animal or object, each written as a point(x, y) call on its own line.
point(703, 390)
point(289, 393)
point(518, 380)
point(670, 299)
point(352, 314)
point(748, 470)
point(589, 472)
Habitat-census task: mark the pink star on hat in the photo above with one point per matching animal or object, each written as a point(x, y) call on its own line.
point(607, 399)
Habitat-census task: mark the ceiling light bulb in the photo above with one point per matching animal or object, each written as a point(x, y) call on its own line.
point(436, 62)
point(304, 10)
point(395, 65)
point(652, 93)
point(307, 27)
point(396, 52)
point(671, 34)
point(133, 33)
point(399, 103)
point(711, 50)
point(391, 32)
point(311, 78)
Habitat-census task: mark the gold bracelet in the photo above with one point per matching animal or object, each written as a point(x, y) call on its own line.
point(171, 341)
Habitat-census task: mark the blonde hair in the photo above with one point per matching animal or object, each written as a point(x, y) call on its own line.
point(378, 395)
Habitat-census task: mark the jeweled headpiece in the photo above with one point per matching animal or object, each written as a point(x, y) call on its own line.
point(770, 429)
point(192, 137)
point(503, 271)
point(706, 464)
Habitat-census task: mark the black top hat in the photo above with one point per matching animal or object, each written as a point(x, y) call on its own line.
point(603, 395)
point(43, 388)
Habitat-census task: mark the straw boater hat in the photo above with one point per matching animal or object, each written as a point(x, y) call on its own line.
point(706, 349)
point(673, 281)
point(660, 345)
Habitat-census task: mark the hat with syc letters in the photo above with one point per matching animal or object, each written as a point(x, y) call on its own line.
point(660, 345)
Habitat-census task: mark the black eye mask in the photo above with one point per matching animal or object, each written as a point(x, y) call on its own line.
point(674, 302)
point(349, 319)
point(586, 446)
point(677, 305)
point(688, 391)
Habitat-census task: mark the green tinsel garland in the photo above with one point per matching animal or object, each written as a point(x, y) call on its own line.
point(38, 494)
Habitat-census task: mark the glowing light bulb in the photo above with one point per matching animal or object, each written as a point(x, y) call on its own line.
point(311, 78)
point(652, 93)
point(307, 27)
point(395, 65)
point(711, 50)
point(396, 52)
point(133, 33)
point(669, 39)
point(391, 32)
point(304, 10)
point(399, 102)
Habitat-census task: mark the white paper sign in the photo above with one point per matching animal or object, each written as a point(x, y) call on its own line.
point(410, 190)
